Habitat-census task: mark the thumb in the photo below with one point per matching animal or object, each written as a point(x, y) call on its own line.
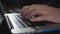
point(36, 19)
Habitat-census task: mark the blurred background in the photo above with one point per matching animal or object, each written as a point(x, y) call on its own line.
point(10, 4)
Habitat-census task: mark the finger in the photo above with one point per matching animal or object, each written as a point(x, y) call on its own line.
point(37, 19)
point(37, 8)
point(34, 13)
point(22, 10)
point(30, 9)
point(25, 8)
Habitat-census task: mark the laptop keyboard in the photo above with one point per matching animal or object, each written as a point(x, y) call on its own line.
point(17, 21)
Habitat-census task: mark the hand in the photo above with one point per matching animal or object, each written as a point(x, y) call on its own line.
point(41, 13)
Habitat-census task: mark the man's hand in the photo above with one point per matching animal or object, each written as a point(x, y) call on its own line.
point(41, 13)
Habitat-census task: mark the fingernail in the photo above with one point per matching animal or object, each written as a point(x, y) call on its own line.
point(31, 20)
point(33, 17)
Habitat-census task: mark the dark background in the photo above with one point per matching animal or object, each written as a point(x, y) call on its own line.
point(21, 3)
